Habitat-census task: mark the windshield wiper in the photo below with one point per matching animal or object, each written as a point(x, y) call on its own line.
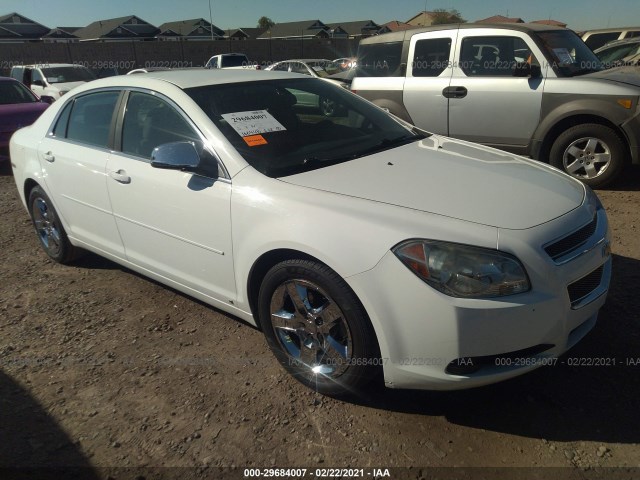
point(584, 71)
point(313, 162)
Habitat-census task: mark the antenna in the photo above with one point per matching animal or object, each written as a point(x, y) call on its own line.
point(210, 20)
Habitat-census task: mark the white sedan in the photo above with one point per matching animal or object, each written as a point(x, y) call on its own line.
point(363, 248)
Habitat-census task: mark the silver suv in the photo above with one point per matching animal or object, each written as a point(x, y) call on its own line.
point(533, 90)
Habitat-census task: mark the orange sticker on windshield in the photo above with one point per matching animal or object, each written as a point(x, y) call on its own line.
point(254, 140)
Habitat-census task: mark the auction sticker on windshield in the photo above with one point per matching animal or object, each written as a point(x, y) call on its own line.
point(253, 123)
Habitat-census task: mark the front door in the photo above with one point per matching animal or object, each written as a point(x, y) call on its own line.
point(488, 104)
point(175, 224)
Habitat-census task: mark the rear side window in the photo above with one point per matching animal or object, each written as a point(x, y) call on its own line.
point(380, 60)
point(299, 68)
point(60, 129)
point(17, 73)
point(431, 57)
point(597, 40)
point(90, 118)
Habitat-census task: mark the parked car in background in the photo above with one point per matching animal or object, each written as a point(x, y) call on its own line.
point(231, 60)
point(529, 89)
point(315, 67)
point(53, 80)
point(19, 107)
point(362, 247)
point(147, 70)
point(620, 52)
point(598, 38)
point(105, 72)
point(318, 68)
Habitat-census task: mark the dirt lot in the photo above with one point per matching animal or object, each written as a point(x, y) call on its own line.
point(103, 369)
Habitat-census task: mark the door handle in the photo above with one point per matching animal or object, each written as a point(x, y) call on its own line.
point(49, 157)
point(454, 92)
point(120, 176)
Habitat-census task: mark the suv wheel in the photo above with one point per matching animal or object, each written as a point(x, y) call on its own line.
point(591, 153)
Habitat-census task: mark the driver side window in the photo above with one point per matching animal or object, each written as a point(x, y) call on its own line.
point(149, 122)
point(36, 75)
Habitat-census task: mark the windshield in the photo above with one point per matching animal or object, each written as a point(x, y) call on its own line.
point(76, 73)
point(15, 92)
point(234, 61)
point(611, 56)
point(284, 127)
point(323, 68)
point(569, 55)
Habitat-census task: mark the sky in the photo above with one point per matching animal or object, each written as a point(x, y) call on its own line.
point(578, 14)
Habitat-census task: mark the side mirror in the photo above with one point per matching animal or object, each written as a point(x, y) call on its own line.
point(176, 156)
point(39, 83)
point(47, 99)
point(525, 69)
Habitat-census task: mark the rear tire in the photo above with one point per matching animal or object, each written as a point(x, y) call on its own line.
point(317, 328)
point(49, 229)
point(593, 153)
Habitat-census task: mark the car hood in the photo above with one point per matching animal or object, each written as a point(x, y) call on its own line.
point(628, 74)
point(19, 115)
point(455, 179)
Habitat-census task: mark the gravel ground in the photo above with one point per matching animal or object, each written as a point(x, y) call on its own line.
point(104, 369)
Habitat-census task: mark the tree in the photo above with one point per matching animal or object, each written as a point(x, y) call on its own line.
point(265, 22)
point(441, 16)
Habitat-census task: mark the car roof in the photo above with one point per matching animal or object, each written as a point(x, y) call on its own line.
point(624, 41)
point(54, 65)
point(406, 34)
point(609, 30)
point(188, 78)
point(8, 79)
point(305, 60)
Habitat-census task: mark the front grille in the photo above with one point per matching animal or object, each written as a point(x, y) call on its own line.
point(572, 241)
point(583, 287)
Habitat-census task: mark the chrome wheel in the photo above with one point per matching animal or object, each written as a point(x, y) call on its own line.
point(47, 228)
point(587, 158)
point(311, 328)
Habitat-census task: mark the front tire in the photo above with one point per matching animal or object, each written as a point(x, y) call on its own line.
point(317, 328)
point(49, 229)
point(592, 153)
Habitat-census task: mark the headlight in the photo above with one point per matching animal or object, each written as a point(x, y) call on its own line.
point(464, 271)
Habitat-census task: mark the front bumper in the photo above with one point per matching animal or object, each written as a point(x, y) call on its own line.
point(423, 332)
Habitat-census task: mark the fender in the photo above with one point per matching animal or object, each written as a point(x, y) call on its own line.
point(557, 108)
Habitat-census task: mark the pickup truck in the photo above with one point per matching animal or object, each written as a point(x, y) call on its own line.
point(51, 81)
point(530, 89)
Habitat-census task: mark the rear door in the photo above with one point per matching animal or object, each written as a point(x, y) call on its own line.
point(487, 103)
point(73, 157)
point(429, 73)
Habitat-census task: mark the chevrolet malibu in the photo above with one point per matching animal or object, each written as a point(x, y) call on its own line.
point(362, 247)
